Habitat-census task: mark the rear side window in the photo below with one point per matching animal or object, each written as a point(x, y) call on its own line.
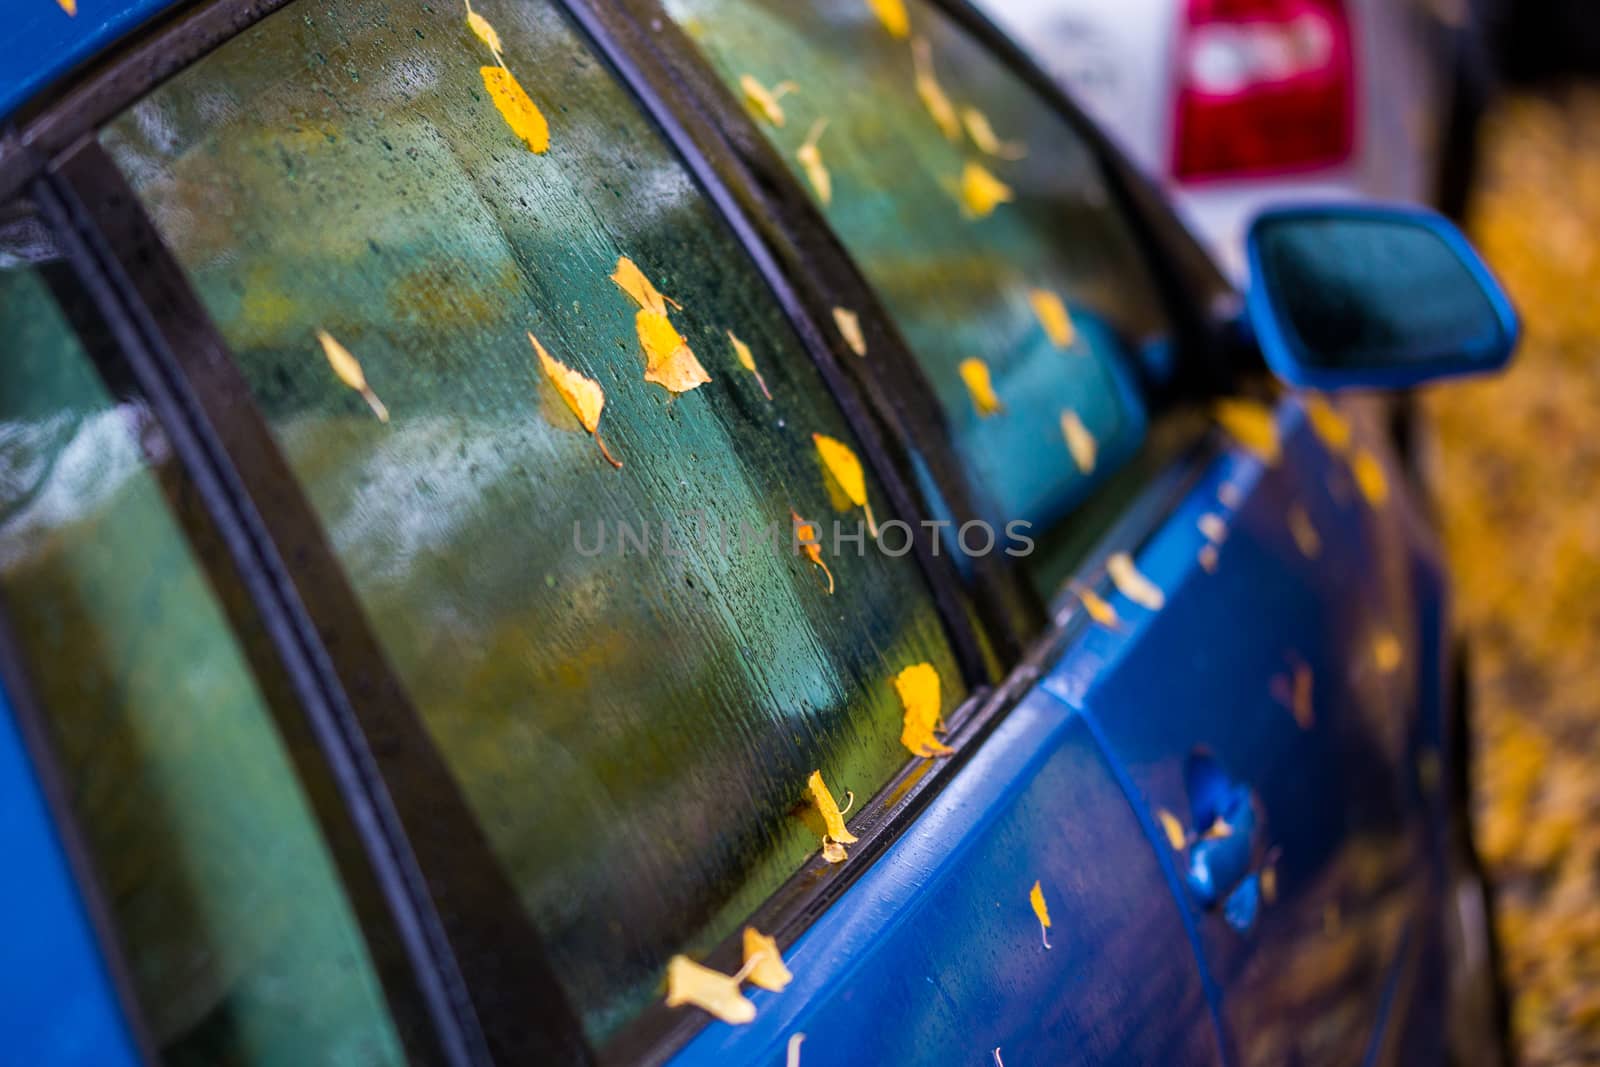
point(631, 685)
point(241, 942)
point(979, 215)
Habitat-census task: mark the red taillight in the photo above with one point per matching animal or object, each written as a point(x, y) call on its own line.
point(1264, 86)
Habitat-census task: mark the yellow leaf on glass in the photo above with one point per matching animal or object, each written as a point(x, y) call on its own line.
point(849, 326)
point(350, 373)
point(583, 395)
point(712, 991)
point(845, 469)
point(1132, 584)
point(515, 106)
point(669, 361)
point(1099, 609)
point(486, 33)
point(1177, 837)
point(764, 962)
point(1370, 478)
point(810, 157)
point(918, 688)
point(764, 101)
point(1304, 532)
point(983, 135)
point(1052, 315)
point(1331, 428)
point(982, 192)
point(805, 537)
point(931, 93)
point(1036, 898)
point(741, 352)
point(892, 14)
point(832, 817)
point(975, 373)
point(1080, 442)
point(631, 280)
point(1253, 425)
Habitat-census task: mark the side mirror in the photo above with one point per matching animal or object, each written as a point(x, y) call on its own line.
point(1365, 296)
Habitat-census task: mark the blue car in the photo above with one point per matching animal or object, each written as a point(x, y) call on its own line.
point(702, 532)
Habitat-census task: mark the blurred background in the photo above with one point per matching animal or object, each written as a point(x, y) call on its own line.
point(1489, 111)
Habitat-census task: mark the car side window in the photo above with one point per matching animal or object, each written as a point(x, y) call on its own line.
point(980, 216)
point(220, 887)
point(631, 683)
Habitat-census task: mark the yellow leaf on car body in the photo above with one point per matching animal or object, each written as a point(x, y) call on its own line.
point(349, 371)
point(764, 101)
point(832, 817)
point(741, 352)
point(1177, 837)
point(982, 192)
point(583, 395)
point(764, 961)
point(1080, 442)
point(1253, 425)
point(975, 374)
point(1099, 609)
point(983, 135)
point(931, 93)
point(1332, 428)
point(1370, 478)
point(845, 469)
point(517, 108)
point(849, 326)
point(1053, 317)
point(669, 361)
point(810, 157)
point(689, 982)
point(69, 6)
point(918, 688)
point(1132, 584)
point(892, 14)
point(1036, 898)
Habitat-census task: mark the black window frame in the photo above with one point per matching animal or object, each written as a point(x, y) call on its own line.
point(173, 357)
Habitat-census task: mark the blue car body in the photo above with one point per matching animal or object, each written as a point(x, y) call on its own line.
point(1325, 929)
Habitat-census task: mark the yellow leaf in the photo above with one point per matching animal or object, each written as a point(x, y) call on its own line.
point(583, 395)
point(928, 88)
point(918, 687)
point(1370, 478)
point(741, 352)
point(1230, 495)
point(691, 983)
point(832, 818)
point(350, 373)
point(841, 463)
point(1269, 883)
point(975, 373)
point(792, 1059)
point(849, 326)
point(805, 535)
point(1177, 837)
point(69, 6)
point(892, 14)
point(1253, 426)
point(982, 192)
point(1330, 427)
point(1132, 584)
point(668, 359)
point(1052, 315)
point(1080, 442)
point(1036, 898)
point(764, 101)
point(1099, 609)
point(631, 280)
point(810, 157)
point(983, 135)
point(514, 105)
point(764, 962)
point(1214, 527)
point(1304, 532)
point(1387, 652)
point(833, 852)
point(486, 33)
point(1208, 558)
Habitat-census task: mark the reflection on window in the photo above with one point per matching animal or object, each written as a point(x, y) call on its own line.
point(242, 945)
point(977, 213)
point(634, 726)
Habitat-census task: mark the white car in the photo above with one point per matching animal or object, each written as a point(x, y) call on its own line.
point(1238, 104)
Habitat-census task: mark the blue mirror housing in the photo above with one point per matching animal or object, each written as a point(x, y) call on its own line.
point(1349, 296)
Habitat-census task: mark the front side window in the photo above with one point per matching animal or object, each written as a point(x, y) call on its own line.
point(241, 942)
point(980, 216)
point(382, 213)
